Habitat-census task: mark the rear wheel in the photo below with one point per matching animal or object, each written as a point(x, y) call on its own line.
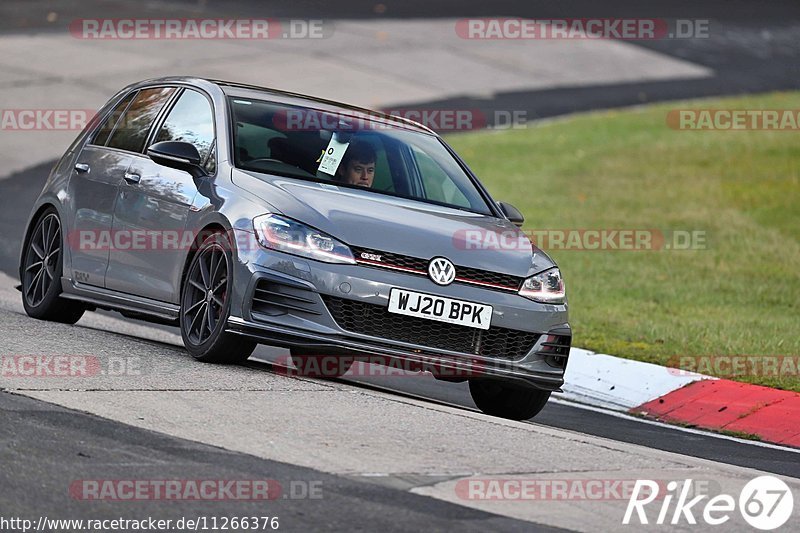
point(206, 303)
point(507, 400)
point(40, 272)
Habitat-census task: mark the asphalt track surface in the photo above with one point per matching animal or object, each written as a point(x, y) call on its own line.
point(38, 467)
point(46, 446)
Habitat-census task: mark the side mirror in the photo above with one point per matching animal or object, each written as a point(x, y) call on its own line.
point(177, 154)
point(511, 213)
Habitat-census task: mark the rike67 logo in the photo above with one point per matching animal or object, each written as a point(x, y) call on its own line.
point(766, 503)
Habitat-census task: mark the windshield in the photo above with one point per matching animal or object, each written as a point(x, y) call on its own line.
point(350, 152)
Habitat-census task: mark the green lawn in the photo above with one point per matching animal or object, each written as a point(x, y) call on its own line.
point(628, 169)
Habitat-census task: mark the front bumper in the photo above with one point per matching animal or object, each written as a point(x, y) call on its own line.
point(290, 310)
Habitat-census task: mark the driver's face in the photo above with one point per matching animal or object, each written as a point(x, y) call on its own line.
point(359, 173)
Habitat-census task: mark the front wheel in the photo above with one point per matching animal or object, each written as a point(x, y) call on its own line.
point(40, 273)
point(206, 303)
point(507, 400)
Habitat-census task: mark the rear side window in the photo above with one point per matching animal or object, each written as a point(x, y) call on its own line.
point(101, 137)
point(191, 121)
point(131, 132)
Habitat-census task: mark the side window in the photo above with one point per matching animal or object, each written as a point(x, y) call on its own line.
point(190, 120)
point(132, 130)
point(438, 185)
point(383, 177)
point(101, 136)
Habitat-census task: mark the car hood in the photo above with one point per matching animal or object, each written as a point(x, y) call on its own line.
point(398, 225)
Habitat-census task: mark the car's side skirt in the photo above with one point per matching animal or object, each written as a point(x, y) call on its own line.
point(118, 301)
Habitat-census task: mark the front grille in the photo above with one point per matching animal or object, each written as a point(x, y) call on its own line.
point(466, 275)
point(377, 321)
point(395, 260)
point(485, 276)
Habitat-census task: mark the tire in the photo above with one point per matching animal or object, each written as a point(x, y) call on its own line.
point(206, 304)
point(327, 366)
point(40, 271)
point(507, 400)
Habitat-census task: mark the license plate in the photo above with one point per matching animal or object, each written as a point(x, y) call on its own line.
point(410, 303)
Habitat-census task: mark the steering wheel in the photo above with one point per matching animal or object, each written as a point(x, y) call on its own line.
point(271, 161)
point(267, 160)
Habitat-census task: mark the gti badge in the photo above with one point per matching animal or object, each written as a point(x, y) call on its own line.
point(370, 257)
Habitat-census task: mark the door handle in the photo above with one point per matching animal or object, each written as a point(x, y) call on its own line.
point(132, 178)
point(81, 167)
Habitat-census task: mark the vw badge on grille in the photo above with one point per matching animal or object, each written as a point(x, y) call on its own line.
point(442, 271)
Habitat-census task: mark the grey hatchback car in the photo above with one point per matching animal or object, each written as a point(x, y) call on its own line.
point(246, 215)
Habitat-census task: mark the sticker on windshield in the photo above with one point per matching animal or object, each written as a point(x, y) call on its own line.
point(333, 156)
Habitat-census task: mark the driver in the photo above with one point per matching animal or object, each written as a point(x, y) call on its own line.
point(358, 165)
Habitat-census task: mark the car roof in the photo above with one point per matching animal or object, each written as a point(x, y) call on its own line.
point(255, 92)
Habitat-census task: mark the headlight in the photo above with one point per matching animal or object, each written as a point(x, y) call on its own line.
point(284, 234)
point(546, 287)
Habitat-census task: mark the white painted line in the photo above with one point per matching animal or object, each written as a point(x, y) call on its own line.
point(617, 383)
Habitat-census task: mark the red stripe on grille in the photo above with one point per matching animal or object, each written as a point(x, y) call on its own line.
point(423, 273)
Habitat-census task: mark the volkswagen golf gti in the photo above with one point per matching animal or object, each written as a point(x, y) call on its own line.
point(245, 215)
